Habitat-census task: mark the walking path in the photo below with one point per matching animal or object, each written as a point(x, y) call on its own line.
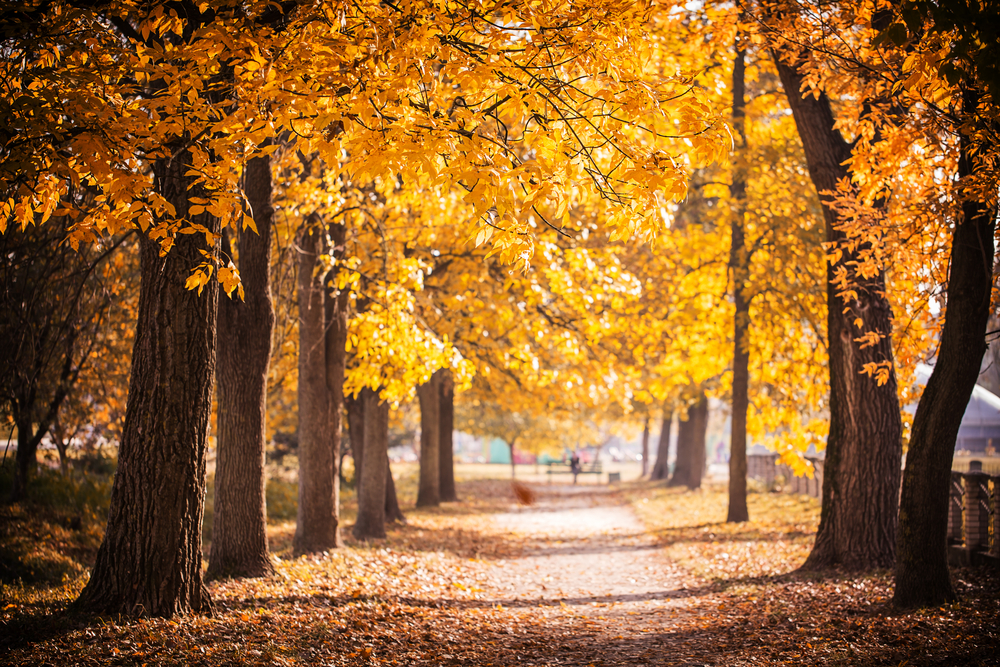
point(590, 586)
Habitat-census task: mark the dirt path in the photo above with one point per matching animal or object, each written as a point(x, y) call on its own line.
point(590, 586)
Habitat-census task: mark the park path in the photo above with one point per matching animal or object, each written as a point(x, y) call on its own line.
point(590, 585)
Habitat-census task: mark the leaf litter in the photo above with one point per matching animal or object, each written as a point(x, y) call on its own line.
point(586, 575)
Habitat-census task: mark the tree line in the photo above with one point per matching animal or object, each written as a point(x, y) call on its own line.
point(550, 209)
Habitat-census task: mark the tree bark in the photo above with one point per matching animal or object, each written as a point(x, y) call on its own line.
point(645, 447)
point(25, 459)
point(316, 528)
point(371, 495)
point(861, 473)
point(239, 530)
point(429, 393)
point(356, 429)
point(393, 512)
point(661, 470)
point(150, 560)
point(336, 306)
point(922, 577)
point(446, 452)
point(690, 463)
point(739, 265)
point(355, 420)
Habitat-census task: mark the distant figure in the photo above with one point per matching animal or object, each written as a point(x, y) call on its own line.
point(574, 466)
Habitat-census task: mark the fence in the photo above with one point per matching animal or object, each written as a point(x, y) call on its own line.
point(973, 518)
point(973, 504)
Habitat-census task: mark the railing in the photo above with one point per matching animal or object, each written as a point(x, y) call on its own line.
point(973, 518)
point(973, 504)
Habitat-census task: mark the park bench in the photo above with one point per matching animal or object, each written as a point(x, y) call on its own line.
point(560, 468)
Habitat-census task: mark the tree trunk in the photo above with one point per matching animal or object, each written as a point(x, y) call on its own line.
point(316, 528)
point(446, 452)
point(371, 495)
point(701, 434)
point(393, 512)
point(355, 420)
point(661, 470)
point(739, 264)
point(429, 393)
point(239, 530)
point(922, 577)
point(336, 306)
point(645, 447)
point(356, 428)
point(690, 463)
point(62, 440)
point(25, 460)
point(28, 437)
point(513, 467)
point(150, 560)
point(861, 473)
point(685, 444)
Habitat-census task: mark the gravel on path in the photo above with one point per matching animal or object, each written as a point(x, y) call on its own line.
point(590, 585)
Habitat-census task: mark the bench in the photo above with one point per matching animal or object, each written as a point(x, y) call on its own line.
point(559, 468)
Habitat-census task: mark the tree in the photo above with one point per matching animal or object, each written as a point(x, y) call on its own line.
point(429, 393)
point(661, 471)
point(150, 560)
point(54, 305)
point(863, 452)
point(919, 29)
point(446, 448)
point(371, 493)
point(645, 446)
point(356, 427)
point(239, 529)
point(739, 266)
point(316, 527)
point(922, 577)
point(690, 463)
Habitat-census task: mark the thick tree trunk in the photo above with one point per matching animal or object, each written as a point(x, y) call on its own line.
point(861, 473)
point(661, 470)
point(690, 463)
point(429, 393)
point(316, 528)
point(645, 447)
point(739, 265)
point(922, 577)
point(239, 530)
point(150, 560)
point(446, 451)
point(371, 495)
point(336, 307)
point(355, 420)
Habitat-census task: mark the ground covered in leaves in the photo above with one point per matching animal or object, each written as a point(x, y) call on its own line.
point(591, 575)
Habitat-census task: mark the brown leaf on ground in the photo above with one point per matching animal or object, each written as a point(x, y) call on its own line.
point(523, 493)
